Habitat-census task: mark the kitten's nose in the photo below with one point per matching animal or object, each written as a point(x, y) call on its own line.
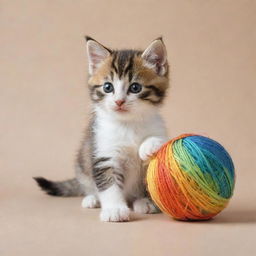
point(119, 103)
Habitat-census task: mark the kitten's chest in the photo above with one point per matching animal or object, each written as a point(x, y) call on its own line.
point(111, 135)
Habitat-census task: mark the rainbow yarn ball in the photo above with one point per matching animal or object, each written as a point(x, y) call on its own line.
point(191, 178)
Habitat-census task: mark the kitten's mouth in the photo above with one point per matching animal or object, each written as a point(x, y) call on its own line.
point(121, 110)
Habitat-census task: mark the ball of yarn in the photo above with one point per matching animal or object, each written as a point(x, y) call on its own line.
point(191, 178)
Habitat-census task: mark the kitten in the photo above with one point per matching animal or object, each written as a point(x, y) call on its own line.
point(126, 87)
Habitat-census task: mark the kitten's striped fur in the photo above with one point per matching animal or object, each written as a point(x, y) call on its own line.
point(126, 87)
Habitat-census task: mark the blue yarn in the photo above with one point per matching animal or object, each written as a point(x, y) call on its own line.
point(214, 160)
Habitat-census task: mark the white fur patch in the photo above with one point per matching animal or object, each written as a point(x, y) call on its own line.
point(150, 146)
point(114, 207)
point(119, 213)
point(144, 205)
point(90, 201)
point(120, 140)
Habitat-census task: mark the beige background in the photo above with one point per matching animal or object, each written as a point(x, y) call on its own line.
point(44, 106)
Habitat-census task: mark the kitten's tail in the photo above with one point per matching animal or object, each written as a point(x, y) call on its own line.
point(61, 188)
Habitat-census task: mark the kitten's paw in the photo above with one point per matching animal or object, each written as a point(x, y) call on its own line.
point(150, 146)
point(115, 214)
point(144, 205)
point(90, 201)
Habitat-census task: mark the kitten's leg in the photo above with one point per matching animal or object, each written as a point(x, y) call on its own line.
point(90, 201)
point(109, 182)
point(113, 204)
point(150, 146)
point(145, 205)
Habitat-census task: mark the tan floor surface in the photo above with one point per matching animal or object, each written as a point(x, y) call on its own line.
point(44, 106)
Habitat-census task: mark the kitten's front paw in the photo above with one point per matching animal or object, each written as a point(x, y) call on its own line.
point(144, 205)
point(115, 214)
point(90, 201)
point(150, 146)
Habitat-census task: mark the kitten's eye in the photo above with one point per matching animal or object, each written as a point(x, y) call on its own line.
point(135, 88)
point(108, 87)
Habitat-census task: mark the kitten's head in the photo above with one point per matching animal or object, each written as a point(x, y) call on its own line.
point(127, 83)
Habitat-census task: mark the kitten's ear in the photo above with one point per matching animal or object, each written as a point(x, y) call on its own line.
point(97, 53)
point(155, 57)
